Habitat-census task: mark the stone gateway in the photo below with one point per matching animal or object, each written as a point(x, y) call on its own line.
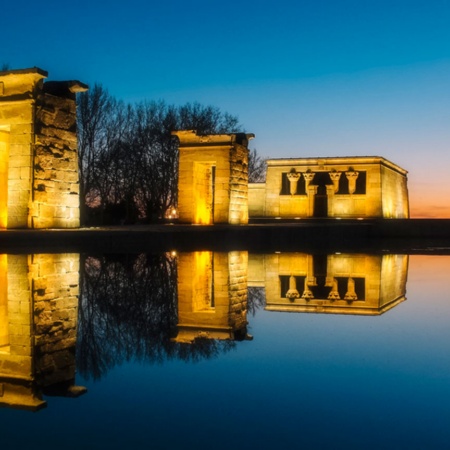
point(39, 185)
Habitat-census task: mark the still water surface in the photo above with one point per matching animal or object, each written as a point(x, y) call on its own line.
point(168, 364)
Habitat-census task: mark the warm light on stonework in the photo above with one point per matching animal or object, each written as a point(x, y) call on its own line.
point(336, 284)
point(4, 156)
point(4, 327)
point(38, 151)
point(212, 295)
point(346, 187)
point(38, 323)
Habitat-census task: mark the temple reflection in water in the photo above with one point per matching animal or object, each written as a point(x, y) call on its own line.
point(338, 283)
point(213, 287)
point(38, 326)
point(187, 306)
point(212, 296)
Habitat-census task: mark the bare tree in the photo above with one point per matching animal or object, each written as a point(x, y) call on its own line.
point(256, 167)
point(128, 158)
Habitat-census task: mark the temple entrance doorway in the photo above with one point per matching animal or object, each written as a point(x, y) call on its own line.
point(321, 179)
point(204, 187)
point(4, 156)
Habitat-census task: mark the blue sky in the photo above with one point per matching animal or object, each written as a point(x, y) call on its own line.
point(309, 78)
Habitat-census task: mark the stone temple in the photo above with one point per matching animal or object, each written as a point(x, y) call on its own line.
point(39, 180)
point(39, 184)
point(213, 184)
point(342, 187)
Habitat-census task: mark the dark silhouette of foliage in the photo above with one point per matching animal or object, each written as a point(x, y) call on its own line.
point(128, 311)
point(256, 167)
point(128, 159)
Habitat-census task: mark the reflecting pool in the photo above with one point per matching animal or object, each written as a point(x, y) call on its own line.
point(218, 350)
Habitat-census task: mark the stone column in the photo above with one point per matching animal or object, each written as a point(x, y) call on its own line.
point(352, 176)
point(293, 178)
point(311, 192)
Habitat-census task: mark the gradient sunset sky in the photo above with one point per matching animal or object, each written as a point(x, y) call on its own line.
point(309, 78)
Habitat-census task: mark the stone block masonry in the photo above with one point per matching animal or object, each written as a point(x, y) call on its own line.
point(38, 151)
point(213, 178)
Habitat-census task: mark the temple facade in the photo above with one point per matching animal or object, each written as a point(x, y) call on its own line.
point(341, 187)
point(212, 296)
point(39, 183)
point(356, 284)
point(213, 178)
point(213, 184)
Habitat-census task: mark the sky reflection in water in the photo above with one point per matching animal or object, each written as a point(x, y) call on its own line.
point(305, 380)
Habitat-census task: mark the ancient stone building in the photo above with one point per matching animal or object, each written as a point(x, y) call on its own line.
point(336, 283)
point(212, 296)
point(38, 151)
point(345, 187)
point(213, 178)
point(38, 325)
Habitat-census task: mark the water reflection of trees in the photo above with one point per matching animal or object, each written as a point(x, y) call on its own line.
point(256, 299)
point(128, 311)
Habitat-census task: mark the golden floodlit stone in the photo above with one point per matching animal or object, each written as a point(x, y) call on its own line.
point(37, 148)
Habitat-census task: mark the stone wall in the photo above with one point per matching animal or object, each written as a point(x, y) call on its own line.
point(55, 290)
point(256, 199)
point(212, 178)
point(212, 295)
point(17, 386)
point(56, 201)
point(384, 194)
point(38, 350)
point(394, 194)
point(238, 289)
point(238, 212)
point(38, 151)
point(17, 112)
point(381, 278)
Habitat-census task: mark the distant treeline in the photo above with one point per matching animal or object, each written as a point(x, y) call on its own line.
point(128, 159)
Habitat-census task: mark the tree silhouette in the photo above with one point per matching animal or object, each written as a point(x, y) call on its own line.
point(128, 158)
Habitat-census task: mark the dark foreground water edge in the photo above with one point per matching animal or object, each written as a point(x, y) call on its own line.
point(414, 236)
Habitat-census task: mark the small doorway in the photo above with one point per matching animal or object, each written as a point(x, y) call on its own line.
point(321, 180)
point(204, 187)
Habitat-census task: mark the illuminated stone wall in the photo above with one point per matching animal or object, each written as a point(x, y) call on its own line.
point(256, 199)
point(212, 295)
point(213, 178)
point(338, 283)
point(38, 151)
point(55, 290)
point(355, 187)
point(393, 191)
point(38, 348)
